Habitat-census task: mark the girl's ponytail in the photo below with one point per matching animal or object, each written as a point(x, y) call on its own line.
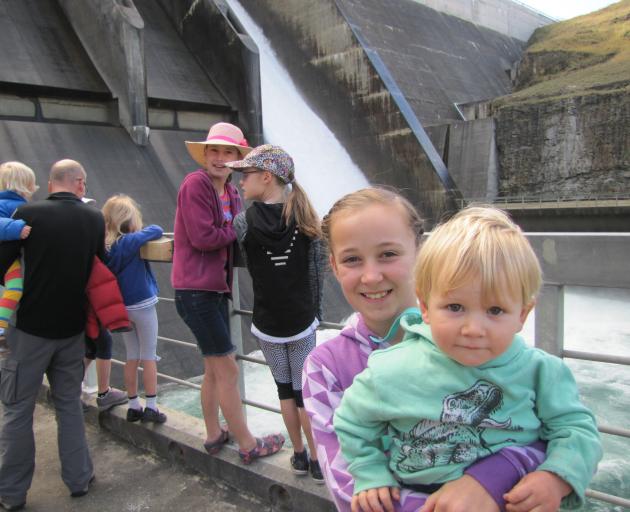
point(299, 207)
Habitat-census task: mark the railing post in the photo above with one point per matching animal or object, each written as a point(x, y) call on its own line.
point(549, 326)
point(235, 330)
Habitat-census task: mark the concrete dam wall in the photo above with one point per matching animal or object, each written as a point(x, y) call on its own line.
point(114, 86)
point(382, 75)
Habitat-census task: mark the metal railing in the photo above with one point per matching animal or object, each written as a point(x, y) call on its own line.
point(566, 259)
point(551, 200)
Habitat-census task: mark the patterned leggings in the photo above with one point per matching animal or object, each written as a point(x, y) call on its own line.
point(12, 294)
point(286, 361)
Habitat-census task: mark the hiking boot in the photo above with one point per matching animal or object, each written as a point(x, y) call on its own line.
point(316, 472)
point(82, 492)
point(134, 414)
point(111, 399)
point(299, 463)
point(153, 415)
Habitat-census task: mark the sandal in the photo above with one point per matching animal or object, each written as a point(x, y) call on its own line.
point(267, 445)
point(213, 447)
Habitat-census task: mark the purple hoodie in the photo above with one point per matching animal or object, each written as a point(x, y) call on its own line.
point(330, 369)
point(203, 239)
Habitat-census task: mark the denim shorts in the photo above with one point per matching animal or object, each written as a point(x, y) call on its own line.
point(101, 347)
point(206, 315)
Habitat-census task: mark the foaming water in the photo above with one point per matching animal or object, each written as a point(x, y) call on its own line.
point(323, 167)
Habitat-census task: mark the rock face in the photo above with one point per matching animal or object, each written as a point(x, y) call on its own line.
point(572, 147)
point(565, 130)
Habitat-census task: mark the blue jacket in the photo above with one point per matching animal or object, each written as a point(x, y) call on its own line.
point(10, 229)
point(135, 277)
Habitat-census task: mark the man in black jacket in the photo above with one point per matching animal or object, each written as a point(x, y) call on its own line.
point(48, 335)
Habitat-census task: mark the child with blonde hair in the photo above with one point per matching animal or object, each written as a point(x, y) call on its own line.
point(124, 235)
point(280, 237)
point(17, 186)
point(462, 384)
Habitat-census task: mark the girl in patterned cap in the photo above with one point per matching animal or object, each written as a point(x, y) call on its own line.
point(280, 238)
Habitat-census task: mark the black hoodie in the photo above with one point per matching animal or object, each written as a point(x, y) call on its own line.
point(277, 259)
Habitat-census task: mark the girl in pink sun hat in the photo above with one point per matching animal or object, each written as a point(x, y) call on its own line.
point(202, 278)
point(220, 134)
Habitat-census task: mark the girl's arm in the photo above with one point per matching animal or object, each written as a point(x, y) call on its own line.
point(10, 229)
point(317, 264)
point(128, 245)
point(240, 226)
point(199, 220)
point(322, 394)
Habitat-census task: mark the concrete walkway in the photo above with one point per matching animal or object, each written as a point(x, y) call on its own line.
point(127, 478)
point(164, 467)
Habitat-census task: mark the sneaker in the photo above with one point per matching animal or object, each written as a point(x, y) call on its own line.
point(16, 506)
point(299, 463)
point(265, 446)
point(316, 472)
point(153, 415)
point(82, 492)
point(134, 414)
point(111, 399)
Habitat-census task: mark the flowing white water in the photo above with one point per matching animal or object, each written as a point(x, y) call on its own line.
point(322, 165)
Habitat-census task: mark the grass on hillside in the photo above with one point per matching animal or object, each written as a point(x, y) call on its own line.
point(594, 51)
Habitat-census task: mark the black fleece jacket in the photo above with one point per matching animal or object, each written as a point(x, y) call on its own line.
point(58, 254)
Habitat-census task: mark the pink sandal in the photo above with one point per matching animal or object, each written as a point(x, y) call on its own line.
point(265, 446)
point(213, 447)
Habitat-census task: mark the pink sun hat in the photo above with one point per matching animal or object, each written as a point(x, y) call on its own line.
point(220, 134)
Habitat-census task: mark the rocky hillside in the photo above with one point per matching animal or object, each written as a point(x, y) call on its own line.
point(566, 128)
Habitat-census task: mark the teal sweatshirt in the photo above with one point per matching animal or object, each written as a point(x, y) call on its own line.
point(442, 416)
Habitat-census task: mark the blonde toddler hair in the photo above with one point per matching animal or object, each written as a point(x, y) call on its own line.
point(479, 242)
point(19, 178)
point(122, 215)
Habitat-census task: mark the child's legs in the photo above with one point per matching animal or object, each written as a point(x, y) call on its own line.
point(206, 314)
point(145, 324)
point(12, 293)
point(210, 401)
point(103, 359)
point(298, 351)
point(225, 370)
point(132, 346)
point(277, 357)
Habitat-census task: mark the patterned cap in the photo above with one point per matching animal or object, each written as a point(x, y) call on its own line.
point(268, 158)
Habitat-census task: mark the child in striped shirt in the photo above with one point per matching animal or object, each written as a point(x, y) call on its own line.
point(17, 186)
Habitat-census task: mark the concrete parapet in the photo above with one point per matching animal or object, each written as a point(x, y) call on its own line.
point(513, 19)
point(227, 54)
point(111, 31)
point(180, 440)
